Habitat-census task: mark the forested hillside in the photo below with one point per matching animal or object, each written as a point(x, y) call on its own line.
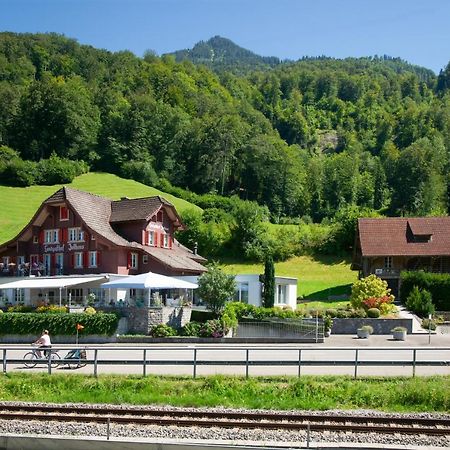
point(306, 139)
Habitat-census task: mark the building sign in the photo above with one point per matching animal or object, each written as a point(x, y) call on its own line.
point(73, 246)
point(53, 248)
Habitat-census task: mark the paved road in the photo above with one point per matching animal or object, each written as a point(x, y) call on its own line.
point(334, 350)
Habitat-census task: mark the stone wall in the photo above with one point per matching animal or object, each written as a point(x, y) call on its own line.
point(142, 320)
point(380, 326)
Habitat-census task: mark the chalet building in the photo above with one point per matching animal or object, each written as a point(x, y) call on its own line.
point(385, 247)
point(77, 233)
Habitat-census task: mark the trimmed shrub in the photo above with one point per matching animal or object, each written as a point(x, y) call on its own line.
point(57, 324)
point(51, 309)
point(437, 284)
point(373, 313)
point(428, 324)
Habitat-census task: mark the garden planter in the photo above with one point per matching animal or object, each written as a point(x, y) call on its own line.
point(399, 335)
point(362, 334)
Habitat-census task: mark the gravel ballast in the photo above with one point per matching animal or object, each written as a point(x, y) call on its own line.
point(215, 434)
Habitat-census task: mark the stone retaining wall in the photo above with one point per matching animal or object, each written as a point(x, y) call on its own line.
point(142, 320)
point(380, 326)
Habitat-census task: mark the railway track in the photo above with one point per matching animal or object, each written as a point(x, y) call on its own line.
point(226, 419)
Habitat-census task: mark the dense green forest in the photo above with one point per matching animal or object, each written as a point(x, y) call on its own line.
point(306, 140)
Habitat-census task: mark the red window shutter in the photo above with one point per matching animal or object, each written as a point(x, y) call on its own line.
point(72, 260)
point(99, 259)
point(144, 237)
point(170, 241)
point(52, 260)
point(129, 260)
point(85, 259)
point(86, 237)
point(41, 237)
point(64, 235)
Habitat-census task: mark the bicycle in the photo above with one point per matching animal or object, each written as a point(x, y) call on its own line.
point(75, 358)
point(31, 359)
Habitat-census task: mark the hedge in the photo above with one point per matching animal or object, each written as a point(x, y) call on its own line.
point(437, 284)
point(58, 324)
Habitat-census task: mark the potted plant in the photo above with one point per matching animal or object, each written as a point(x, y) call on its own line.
point(327, 324)
point(399, 333)
point(365, 331)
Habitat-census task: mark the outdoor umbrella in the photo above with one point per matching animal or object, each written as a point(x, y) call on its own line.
point(149, 280)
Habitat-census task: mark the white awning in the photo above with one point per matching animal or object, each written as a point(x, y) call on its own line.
point(149, 280)
point(41, 282)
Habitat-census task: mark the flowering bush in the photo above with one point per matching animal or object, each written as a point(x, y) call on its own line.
point(376, 302)
point(51, 309)
point(369, 287)
point(90, 310)
point(213, 328)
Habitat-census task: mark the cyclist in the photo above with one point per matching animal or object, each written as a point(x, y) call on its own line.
point(44, 343)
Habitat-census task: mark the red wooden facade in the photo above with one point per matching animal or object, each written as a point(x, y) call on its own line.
point(74, 232)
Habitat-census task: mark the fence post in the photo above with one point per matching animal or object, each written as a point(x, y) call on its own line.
point(4, 360)
point(414, 362)
point(144, 368)
point(299, 362)
point(246, 362)
point(95, 362)
point(356, 362)
point(194, 375)
point(49, 361)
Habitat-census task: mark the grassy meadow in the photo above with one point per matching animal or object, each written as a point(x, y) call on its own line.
point(17, 205)
point(418, 394)
point(318, 277)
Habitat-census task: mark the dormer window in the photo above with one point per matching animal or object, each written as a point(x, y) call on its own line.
point(151, 238)
point(424, 238)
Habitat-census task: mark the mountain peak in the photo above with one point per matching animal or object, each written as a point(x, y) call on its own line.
point(220, 53)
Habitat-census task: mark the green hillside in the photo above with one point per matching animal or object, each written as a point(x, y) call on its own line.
point(17, 205)
point(318, 278)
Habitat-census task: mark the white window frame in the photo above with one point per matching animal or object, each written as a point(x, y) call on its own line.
point(6, 260)
point(134, 261)
point(281, 291)
point(166, 241)
point(78, 260)
point(35, 239)
point(75, 234)
point(151, 238)
point(93, 258)
point(144, 259)
point(51, 236)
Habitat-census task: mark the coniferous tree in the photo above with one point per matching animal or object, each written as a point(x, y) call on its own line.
point(269, 283)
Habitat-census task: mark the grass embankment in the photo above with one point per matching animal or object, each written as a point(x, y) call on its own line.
point(318, 277)
point(17, 205)
point(311, 393)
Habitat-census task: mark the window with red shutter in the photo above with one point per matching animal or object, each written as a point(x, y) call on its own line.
point(129, 260)
point(63, 213)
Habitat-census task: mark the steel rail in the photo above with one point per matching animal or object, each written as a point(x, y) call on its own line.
point(379, 424)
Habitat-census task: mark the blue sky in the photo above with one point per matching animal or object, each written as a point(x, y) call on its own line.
point(415, 30)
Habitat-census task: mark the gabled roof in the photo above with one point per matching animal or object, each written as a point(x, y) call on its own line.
point(176, 258)
point(404, 236)
point(128, 209)
point(94, 210)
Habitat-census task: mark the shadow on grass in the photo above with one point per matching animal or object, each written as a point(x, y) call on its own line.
point(330, 260)
point(331, 294)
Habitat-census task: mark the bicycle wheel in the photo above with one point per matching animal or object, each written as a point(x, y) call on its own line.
point(30, 360)
point(55, 359)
